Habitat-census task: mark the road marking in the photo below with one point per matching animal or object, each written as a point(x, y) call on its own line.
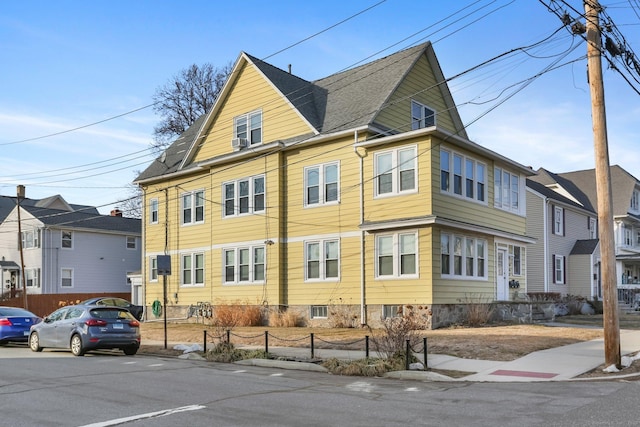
point(241, 371)
point(412, 389)
point(276, 375)
point(145, 416)
point(156, 365)
point(361, 386)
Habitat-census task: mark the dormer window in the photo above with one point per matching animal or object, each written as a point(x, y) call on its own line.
point(635, 201)
point(248, 127)
point(422, 116)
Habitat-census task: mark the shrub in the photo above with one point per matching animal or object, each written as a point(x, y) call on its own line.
point(343, 316)
point(227, 353)
point(285, 319)
point(366, 367)
point(478, 309)
point(390, 340)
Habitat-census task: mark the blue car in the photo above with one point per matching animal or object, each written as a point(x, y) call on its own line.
point(15, 324)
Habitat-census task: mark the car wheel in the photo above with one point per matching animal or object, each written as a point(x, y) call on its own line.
point(76, 345)
point(34, 342)
point(131, 350)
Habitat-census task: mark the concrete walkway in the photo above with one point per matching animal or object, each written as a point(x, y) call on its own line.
point(555, 364)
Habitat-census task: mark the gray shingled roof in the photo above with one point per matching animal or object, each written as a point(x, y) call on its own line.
point(584, 247)
point(85, 220)
point(341, 101)
point(547, 178)
point(8, 203)
point(551, 194)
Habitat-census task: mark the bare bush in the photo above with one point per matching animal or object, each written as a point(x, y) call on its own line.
point(228, 316)
point(478, 309)
point(343, 316)
point(390, 340)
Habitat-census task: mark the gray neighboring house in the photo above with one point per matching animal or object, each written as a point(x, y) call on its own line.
point(566, 257)
point(67, 248)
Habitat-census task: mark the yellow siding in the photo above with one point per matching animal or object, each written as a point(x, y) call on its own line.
point(251, 92)
point(419, 85)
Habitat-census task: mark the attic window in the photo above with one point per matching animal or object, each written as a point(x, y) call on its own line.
point(248, 127)
point(422, 116)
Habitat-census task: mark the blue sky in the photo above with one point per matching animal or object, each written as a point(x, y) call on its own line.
point(68, 64)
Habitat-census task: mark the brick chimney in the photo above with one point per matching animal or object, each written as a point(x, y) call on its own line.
point(116, 212)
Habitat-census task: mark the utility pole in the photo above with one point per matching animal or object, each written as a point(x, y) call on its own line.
point(20, 195)
point(603, 187)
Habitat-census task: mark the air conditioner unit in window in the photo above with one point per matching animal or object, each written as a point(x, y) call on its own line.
point(238, 143)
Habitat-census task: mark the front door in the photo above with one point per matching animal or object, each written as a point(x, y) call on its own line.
point(502, 279)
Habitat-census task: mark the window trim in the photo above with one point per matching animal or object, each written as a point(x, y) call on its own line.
point(463, 257)
point(193, 207)
point(62, 278)
point(251, 196)
point(128, 241)
point(70, 239)
point(246, 117)
point(499, 191)
point(315, 312)
point(193, 269)
point(478, 183)
point(35, 278)
point(562, 270)
point(395, 171)
point(396, 255)
point(322, 184)
point(322, 260)
point(35, 239)
point(252, 272)
point(153, 269)
point(153, 211)
point(421, 122)
point(558, 220)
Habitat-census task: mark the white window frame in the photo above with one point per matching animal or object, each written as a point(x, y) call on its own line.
point(132, 242)
point(390, 311)
point(635, 200)
point(455, 257)
point(32, 277)
point(153, 211)
point(626, 235)
point(323, 192)
point(558, 220)
point(153, 269)
point(31, 239)
point(191, 271)
point(318, 312)
point(192, 206)
point(249, 121)
point(256, 200)
point(255, 265)
point(323, 253)
point(506, 195)
point(471, 174)
point(396, 170)
point(396, 254)
point(593, 228)
point(66, 236)
point(66, 274)
point(516, 256)
point(422, 116)
point(559, 269)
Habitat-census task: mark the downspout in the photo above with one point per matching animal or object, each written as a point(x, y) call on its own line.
point(363, 307)
point(545, 245)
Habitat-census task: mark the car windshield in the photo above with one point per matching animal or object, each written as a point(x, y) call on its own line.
point(14, 311)
point(110, 313)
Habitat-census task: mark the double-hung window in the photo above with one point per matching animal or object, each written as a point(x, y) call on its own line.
point(193, 207)
point(462, 176)
point(67, 239)
point(322, 260)
point(244, 196)
point(462, 256)
point(248, 127)
point(66, 277)
point(507, 190)
point(397, 255)
point(422, 116)
point(153, 211)
point(153, 269)
point(516, 254)
point(557, 217)
point(30, 239)
point(244, 265)
point(321, 184)
point(32, 276)
point(192, 269)
point(395, 171)
point(558, 269)
point(132, 242)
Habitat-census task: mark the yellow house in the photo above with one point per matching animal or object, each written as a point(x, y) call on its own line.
point(359, 192)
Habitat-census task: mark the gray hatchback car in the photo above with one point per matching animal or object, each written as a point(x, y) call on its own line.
point(82, 328)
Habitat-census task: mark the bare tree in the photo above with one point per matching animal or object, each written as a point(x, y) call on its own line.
point(184, 98)
point(131, 207)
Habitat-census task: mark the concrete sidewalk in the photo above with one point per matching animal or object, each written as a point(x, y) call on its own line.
point(555, 364)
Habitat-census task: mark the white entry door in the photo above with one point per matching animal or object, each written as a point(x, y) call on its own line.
point(502, 275)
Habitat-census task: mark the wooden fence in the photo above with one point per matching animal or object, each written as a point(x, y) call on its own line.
point(45, 304)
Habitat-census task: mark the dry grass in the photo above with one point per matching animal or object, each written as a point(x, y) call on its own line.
point(487, 343)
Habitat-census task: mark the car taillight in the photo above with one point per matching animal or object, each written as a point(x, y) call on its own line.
point(134, 323)
point(95, 322)
point(5, 322)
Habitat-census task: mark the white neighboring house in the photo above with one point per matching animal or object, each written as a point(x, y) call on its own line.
point(68, 249)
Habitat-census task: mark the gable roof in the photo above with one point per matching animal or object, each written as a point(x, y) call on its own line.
point(345, 100)
point(554, 195)
point(547, 179)
point(8, 203)
point(584, 247)
point(622, 184)
point(85, 220)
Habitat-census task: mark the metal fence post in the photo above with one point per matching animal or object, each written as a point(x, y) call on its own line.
point(266, 342)
point(366, 346)
point(205, 341)
point(312, 349)
point(406, 363)
point(228, 336)
point(424, 348)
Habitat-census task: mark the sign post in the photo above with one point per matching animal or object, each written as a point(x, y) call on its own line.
point(164, 269)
